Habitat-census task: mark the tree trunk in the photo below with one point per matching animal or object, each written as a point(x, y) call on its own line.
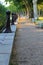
point(27, 7)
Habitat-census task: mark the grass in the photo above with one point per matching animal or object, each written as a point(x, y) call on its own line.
point(39, 20)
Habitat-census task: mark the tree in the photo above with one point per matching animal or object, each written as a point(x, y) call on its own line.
point(2, 15)
point(39, 1)
point(12, 7)
point(40, 8)
point(20, 3)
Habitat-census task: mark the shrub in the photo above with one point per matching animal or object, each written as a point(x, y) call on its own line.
point(2, 15)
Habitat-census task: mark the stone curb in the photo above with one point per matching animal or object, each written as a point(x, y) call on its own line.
point(6, 44)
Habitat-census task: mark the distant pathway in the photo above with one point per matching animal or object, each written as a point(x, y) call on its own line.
point(29, 45)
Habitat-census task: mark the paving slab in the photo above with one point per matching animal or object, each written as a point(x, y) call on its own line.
point(5, 48)
point(13, 28)
point(6, 34)
point(6, 42)
point(4, 59)
point(6, 37)
point(9, 37)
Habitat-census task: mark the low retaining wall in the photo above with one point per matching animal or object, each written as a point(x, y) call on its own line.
point(6, 44)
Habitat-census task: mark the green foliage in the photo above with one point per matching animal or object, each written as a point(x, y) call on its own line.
point(39, 1)
point(29, 1)
point(16, 7)
point(40, 6)
point(20, 3)
point(2, 15)
point(12, 7)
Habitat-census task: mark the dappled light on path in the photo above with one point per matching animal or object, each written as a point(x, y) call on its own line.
point(29, 44)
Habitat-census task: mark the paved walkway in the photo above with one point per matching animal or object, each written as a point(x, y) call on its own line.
point(29, 44)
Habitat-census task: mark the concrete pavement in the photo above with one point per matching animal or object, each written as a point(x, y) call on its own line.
point(29, 45)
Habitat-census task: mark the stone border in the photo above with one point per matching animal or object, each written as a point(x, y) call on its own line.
point(6, 44)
